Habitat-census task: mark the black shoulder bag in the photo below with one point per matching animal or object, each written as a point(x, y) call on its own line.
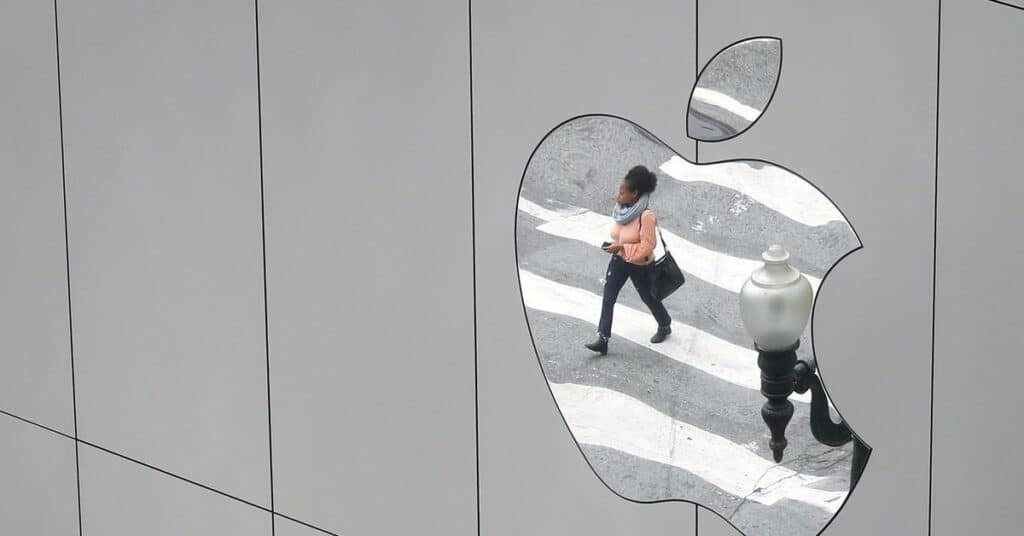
point(666, 277)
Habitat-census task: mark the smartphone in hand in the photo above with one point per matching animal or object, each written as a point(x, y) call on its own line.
point(605, 244)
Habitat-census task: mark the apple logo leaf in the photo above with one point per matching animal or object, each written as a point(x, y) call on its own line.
point(734, 89)
point(678, 420)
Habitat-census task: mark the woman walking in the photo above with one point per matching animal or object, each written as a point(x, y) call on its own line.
point(632, 249)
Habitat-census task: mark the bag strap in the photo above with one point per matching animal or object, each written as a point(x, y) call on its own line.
point(656, 226)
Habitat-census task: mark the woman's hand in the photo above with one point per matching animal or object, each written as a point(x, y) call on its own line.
point(612, 248)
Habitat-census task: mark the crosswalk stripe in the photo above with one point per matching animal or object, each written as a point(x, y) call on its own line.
point(719, 269)
point(687, 345)
point(607, 418)
point(772, 186)
point(725, 102)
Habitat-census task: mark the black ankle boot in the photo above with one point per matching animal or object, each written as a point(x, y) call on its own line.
point(599, 345)
point(661, 334)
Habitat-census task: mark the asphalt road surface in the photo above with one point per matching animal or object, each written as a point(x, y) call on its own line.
point(678, 420)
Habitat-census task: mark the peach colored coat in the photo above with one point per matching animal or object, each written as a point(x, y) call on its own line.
point(637, 238)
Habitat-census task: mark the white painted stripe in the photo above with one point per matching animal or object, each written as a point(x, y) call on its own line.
point(719, 269)
point(687, 344)
point(726, 102)
point(607, 418)
point(542, 213)
point(772, 186)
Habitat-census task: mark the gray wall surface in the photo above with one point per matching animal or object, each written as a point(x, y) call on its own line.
point(294, 307)
point(369, 264)
point(38, 482)
point(163, 211)
point(980, 253)
point(121, 497)
point(34, 340)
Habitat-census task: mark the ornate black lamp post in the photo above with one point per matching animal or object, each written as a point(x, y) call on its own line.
point(775, 305)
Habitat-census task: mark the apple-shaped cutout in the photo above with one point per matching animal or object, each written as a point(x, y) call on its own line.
point(678, 420)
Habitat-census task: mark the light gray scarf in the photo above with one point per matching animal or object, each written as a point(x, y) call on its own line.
point(624, 214)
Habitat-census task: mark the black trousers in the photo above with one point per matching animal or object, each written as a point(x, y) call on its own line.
point(618, 272)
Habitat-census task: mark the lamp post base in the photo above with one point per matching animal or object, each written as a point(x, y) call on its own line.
point(777, 382)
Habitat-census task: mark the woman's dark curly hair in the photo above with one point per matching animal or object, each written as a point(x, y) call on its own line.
point(641, 180)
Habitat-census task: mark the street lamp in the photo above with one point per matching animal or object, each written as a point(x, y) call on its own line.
point(775, 305)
